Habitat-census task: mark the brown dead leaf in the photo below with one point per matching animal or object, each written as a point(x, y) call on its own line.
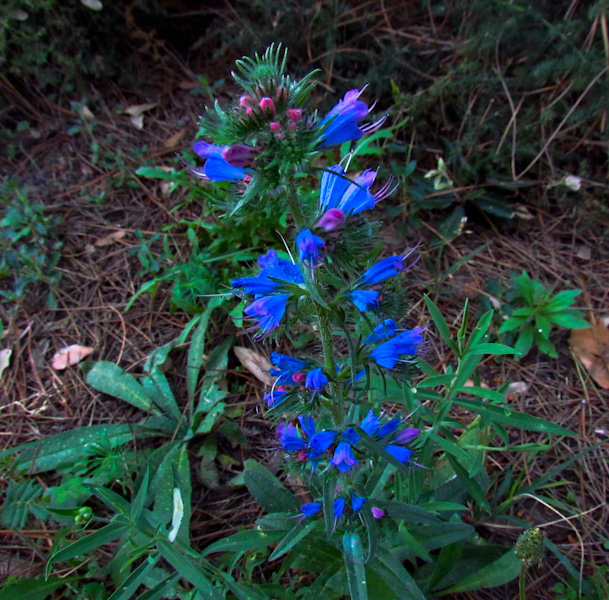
point(175, 139)
point(257, 364)
point(185, 84)
point(135, 110)
point(110, 239)
point(591, 346)
point(71, 355)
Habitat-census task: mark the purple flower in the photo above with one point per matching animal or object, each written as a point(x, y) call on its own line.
point(406, 435)
point(402, 454)
point(364, 299)
point(377, 513)
point(287, 367)
point(308, 510)
point(405, 343)
point(338, 508)
point(382, 270)
point(269, 311)
point(331, 220)
point(316, 380)
point(341, 124)
point(338, 192)
point(308, 247)
point(217, 167)
point(382, 331)
point(343, 458)
point(357, 502)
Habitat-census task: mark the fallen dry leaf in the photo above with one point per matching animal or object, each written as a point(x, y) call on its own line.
point(137, 121)
point(175, 139)
point(591, 346)
point(71, 355)
point(110, 239)
point(257, 364)
point(5, 358)
point(516, 388)
point(135, 110)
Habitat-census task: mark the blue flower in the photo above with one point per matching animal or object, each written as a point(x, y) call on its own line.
point(216, 167)
point(357, 502)
point(256, 286)
point(388, 428)
point(269, 311)
point(402, 454)
point(382, 270)
point(405, 343)
point(343, 458)
point(308, 510)
point(317, 443)
point(339, 507)
point(286, 368)
point(338, 192)
point(308, 247)
point(316, 380)
point(274, 267)
point(382, 331)
point(370, 424)
point(341, 124)
point(364, 299)
point(274, 398)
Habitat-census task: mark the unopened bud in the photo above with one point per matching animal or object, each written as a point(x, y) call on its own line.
point(246, 101)
point(331, 220)
point(294, 114)
point(267, 105)
point(85, 514)
point(238, 155)
point(275, 126)
point(377, 513)
point(280, 95)
point(406, 435)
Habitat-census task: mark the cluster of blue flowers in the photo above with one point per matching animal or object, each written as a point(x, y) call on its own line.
point(313, 445)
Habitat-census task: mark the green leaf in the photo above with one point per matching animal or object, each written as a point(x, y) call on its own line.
point(292, 538)
point(197, 347)
point(490, 348)
point(68, 447)
point(569, 320)
point(497, 573)
point(353, 554)
point(397, 577)
point(188, 569)
point(159, 591)
point(137, 504)
point(437, 536)
point(561, 301)
point(267, 490)
point(245, 541)
point(32, 589)
point(110, 379)
point(524, 342)
point(407, 512)
point(440, 323)
point(481, 392)
point(88, 543)
point(512, 323)
point(128, 587)
point(447, 559)
point(328, 503)
point(450, 227)
point(511, 418)
point(372, 531)
point(156, 384)
point(470, 484)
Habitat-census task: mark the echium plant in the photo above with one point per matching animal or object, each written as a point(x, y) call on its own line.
point(353, 452)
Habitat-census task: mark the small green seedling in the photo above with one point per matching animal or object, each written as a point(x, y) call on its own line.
point(536, 310)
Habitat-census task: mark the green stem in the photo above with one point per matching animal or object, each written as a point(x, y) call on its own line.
point(294, 205)
point(522, 583)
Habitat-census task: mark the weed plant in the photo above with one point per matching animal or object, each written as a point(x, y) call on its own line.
point(382, 485)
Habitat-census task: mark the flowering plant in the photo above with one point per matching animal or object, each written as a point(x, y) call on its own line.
point(379, 470)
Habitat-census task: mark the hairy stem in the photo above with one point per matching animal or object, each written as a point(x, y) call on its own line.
point(522, 583)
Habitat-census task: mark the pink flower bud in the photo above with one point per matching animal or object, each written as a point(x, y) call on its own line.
point(280, 95)
point(250, 113)
point(299, 378)
point(246, 101)
point(292, 126)
point(294, 114)
point(377, 513)
point(239, 155)
point(275, 126)
point(331, 220)
point(267, 105)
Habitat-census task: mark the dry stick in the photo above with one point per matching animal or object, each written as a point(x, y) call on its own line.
point(557, 130)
